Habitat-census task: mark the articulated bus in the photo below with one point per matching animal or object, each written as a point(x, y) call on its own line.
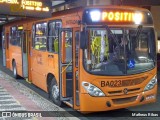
point(93, 59)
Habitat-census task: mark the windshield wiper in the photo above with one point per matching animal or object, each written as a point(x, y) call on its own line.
point(113, 36)
point(138, 32)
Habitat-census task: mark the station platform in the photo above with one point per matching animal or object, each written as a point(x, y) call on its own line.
point(20, 102)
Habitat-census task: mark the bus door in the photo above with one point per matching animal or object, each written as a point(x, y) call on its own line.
point(65, 65)
point(75, 59)
point(25, 53)
point(7, 50)
point(68, 62)
point(3, 49)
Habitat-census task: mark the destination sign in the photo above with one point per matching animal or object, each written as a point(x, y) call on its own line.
point(24, 8)
point(27, 4)
point(121, 16)
point(118, 16)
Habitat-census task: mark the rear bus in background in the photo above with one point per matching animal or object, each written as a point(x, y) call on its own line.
point(16, 37)
point(102, 54)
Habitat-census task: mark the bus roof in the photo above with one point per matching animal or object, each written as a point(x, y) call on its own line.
point(80, 10)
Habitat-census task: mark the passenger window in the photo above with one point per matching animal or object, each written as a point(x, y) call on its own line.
point(13, 35)
point(33, 35)
point(19, 37)
point(53, 36)
point(16, 36)
point(40, 43)
point(68, 45)
point(77, 34)
point(40, 37)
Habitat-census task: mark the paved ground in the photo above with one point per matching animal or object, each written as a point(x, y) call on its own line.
point(15, 96)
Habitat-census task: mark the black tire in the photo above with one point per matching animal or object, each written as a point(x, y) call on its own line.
point(14, 68)
point(54, 93)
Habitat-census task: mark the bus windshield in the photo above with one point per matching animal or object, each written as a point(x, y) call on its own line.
point(124, 54)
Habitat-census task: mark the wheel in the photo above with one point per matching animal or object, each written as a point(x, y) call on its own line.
point(54, 93)
point(14, 70)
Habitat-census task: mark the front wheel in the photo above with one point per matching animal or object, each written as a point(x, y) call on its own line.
point(14, 70)
point(54, 93)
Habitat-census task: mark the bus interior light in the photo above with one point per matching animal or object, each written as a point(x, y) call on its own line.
point(95, 15)
point(92, 90)
point(151, 83)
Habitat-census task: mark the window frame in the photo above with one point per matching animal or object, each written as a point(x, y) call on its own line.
point(34, 36)
point(56, 28)
point(11, 40)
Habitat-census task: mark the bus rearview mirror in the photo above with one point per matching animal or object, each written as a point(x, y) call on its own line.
point(83, 40)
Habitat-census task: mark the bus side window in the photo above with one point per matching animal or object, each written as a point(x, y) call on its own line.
point(68, 45)
point(19, 37)
point(77, 35)
point(40, 43)
point(33, 35)
point(13, 40)
point(40, 38)
point(53, 36)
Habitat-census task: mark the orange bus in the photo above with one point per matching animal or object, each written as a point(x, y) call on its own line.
point(15, 40)
point(93, 59)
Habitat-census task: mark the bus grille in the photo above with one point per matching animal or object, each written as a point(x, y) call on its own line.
point(120, 92)
point(135, 81)
point(124, 100)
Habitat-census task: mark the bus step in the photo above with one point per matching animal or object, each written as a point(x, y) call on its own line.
point(65, 99)
point(70, 100)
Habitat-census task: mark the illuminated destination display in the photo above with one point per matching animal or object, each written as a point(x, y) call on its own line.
point(27, 4)
point(31, 3)
point(115, 16)
point(121, 16)
point(9, 1)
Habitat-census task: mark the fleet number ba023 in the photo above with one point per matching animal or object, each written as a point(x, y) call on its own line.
point(115, 83)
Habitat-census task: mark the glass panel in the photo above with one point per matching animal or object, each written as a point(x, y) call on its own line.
point(40, 39)
point(41, 29)
point(16, 36)
point(125, 53)
point(40, 43)
point(13, 35)
point(19, 37)
point(24, 43)
point(77, 34)
point(33, 35)
point(67, 46)
point(3, 41)
point(53, 37)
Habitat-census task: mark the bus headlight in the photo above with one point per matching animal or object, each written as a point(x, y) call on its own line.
point(151, 83)
point(92, 90)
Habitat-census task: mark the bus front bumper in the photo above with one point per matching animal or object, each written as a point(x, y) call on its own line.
point(94, 104)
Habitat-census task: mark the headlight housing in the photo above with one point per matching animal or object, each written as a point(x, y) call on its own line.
point(151, 83)
point(92, 90)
